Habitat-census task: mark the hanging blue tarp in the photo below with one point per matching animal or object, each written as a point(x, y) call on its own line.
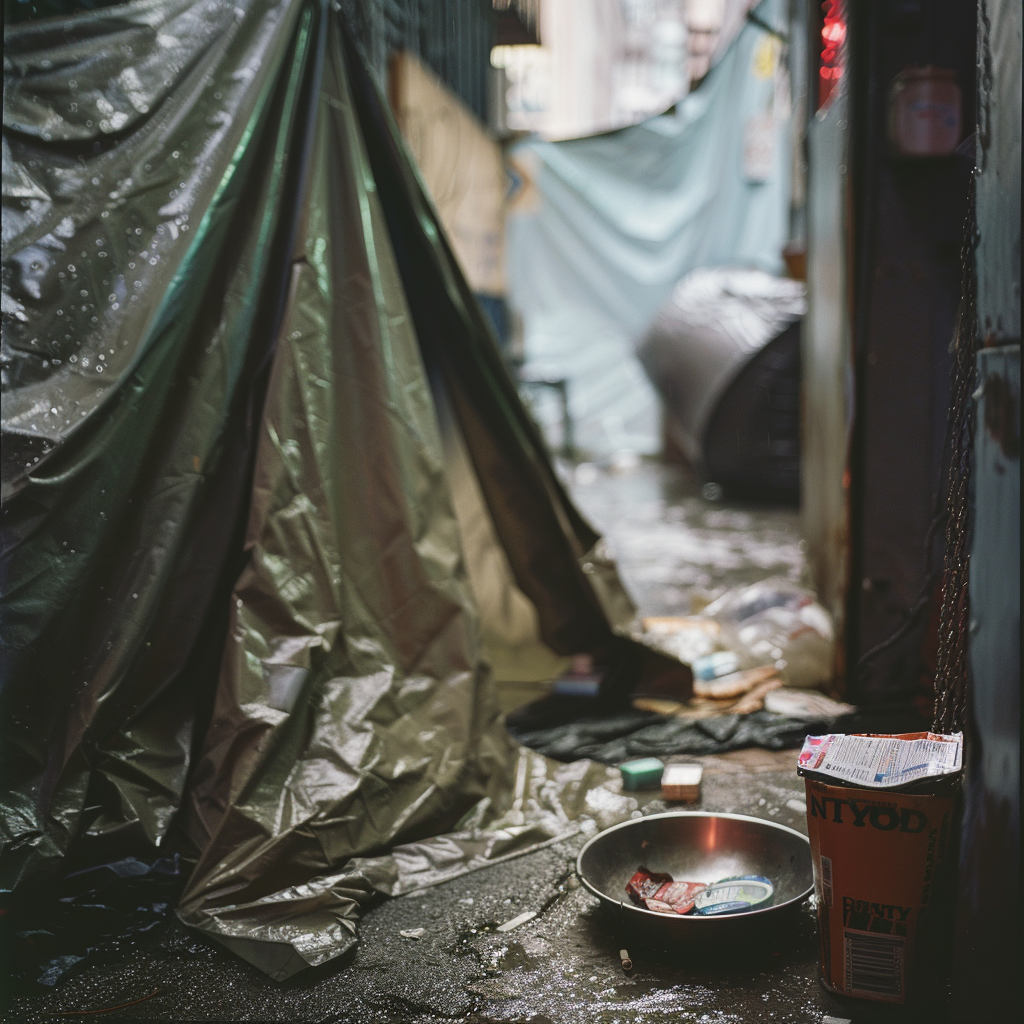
point(617, 219)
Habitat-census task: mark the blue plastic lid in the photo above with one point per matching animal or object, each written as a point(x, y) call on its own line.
point(734, 895)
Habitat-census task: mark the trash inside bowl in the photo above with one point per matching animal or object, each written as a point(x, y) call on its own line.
point(735, 896)
point(658, 891)
point(698, 847)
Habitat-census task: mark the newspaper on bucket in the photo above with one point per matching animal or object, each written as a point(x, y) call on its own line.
point(880, 816)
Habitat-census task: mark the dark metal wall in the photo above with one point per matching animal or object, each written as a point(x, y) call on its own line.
point(453, 37)
point(988, 913)
point(908, 218)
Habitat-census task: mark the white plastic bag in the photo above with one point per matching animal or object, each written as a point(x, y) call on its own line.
point(775, 622)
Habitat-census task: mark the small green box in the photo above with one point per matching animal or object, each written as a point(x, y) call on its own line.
point(642, 774)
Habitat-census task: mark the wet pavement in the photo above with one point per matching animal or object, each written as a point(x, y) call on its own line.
point(562, 967)
point(676, 550)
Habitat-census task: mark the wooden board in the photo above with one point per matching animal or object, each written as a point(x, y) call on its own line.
point(461, 166)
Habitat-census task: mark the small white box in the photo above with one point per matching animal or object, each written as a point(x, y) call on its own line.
point(681, 782)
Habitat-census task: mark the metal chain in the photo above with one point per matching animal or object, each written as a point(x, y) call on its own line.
point(954, 616)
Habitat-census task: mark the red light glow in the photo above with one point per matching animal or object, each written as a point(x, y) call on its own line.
point(833, 35)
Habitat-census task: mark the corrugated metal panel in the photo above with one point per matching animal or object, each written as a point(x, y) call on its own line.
point(988, 914)
point(998, 206)
point(452, 37)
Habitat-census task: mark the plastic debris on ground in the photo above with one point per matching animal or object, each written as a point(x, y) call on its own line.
point(805, 704)
point(735, 684)
point(582, 679)
point(681, 782)
point(526, 915)
point(644, 773)
point(62, 925)
point(757, 652)
point(770, 624)
point(778, 623)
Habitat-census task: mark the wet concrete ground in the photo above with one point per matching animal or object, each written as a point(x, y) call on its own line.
point(676, 550)
point(562, 967)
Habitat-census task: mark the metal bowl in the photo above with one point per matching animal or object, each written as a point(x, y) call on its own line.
point(697, 847)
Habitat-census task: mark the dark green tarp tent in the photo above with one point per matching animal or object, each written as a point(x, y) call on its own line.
point(249, 407)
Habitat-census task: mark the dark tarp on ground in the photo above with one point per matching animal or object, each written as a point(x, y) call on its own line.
point(224, 296)
point(616, 737)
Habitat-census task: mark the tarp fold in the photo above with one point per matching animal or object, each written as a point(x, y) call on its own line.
point(237, 618)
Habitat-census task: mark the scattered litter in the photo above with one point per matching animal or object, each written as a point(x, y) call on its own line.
point(709, 706)
point(413, 933)
point(805, 704)
point(644, 773)
point(686, 637)
point(799, 806)
point(577, 686)
point(526, 915)
point(775, 622)
point(658, 891)
point(627, 964)
point(734, 684)
point(713, 666)
point(681, 782)
point(754, 700)
point(735, 895)
point(582, 679)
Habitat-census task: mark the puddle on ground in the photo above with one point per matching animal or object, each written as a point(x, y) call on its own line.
point(676, 550)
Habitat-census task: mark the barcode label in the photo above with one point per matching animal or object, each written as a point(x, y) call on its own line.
point(826, 880)
point(873, 963)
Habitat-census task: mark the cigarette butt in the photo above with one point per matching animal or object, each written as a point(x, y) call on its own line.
point(508, 926)
point(627, 964)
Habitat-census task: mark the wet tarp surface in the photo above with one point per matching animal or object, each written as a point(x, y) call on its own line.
point(237, 621)
point(614, 738)
point(619, 738)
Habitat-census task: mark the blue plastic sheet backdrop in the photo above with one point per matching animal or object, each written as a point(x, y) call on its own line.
point(603, 227)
